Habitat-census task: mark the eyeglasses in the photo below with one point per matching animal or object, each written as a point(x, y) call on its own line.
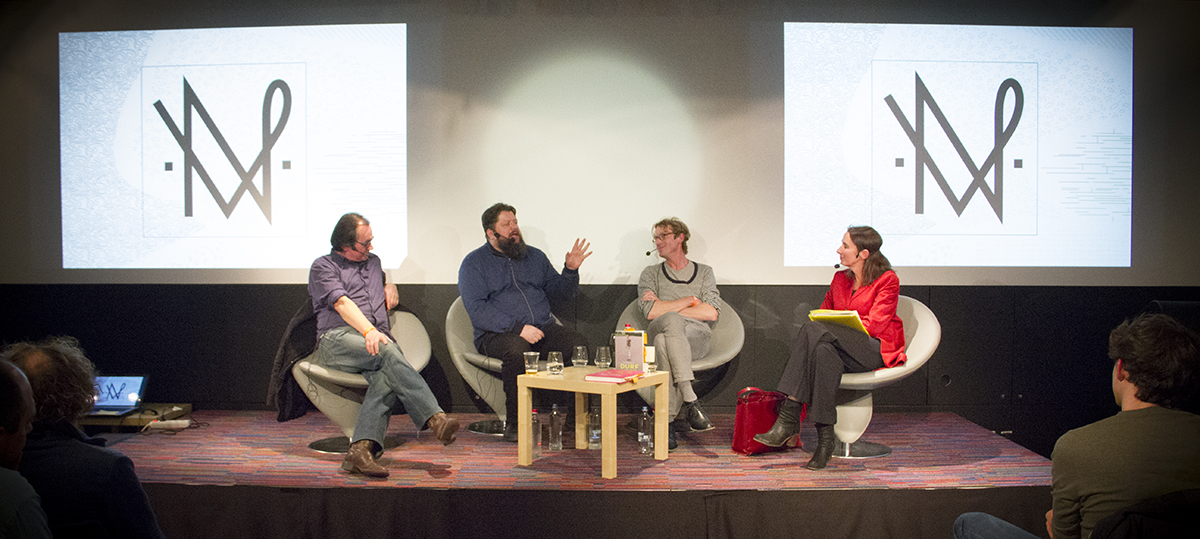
point(365, 244)
point(663, 237)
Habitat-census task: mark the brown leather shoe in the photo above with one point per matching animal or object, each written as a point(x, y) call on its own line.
point(359, 460)
point(443, 427)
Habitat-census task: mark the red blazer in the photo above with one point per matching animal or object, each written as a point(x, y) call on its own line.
point(876, 305)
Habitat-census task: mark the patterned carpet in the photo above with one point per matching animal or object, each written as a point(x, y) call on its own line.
point(930, 451)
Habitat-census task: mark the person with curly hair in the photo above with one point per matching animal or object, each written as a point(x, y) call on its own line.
point(86, 488)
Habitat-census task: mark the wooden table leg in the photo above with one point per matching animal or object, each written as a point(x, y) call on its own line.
point(524, 430)
point(581, 420)
point(661, 422)
point(608, 436)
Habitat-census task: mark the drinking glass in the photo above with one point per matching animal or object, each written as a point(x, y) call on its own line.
point(603, 357)
point(554, 362)
point(650, 365)
point(580, 358)
point(531, 362)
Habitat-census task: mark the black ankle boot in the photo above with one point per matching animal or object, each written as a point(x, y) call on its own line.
point(786, 428)
point(825, 442)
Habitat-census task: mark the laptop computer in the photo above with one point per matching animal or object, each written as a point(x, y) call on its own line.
point(118, 395)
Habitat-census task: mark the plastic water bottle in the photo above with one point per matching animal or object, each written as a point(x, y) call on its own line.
point(645, 433)
point(594, 429)
point(556, 426)
point(536, 439)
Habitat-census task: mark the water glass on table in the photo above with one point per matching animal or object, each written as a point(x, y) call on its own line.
point(531, 362)
point(603, 357)
point(580, 358)
point(554, 362)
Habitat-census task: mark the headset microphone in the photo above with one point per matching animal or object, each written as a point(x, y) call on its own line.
point(648, 253)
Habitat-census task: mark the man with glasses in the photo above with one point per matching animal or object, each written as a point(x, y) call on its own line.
point(679, 297)
point(506, 288)
point(351, 299)
point(681, 301)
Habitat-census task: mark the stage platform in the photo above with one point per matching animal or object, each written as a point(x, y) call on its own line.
point(242, 474)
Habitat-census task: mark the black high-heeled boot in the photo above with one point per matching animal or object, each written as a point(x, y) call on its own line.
point(825, 442)
point(786, 428)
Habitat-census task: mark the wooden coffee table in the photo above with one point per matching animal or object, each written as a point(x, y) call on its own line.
point(572, 380)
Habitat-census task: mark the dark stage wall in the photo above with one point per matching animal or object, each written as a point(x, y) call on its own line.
point(429, 514)
point(1030, 360)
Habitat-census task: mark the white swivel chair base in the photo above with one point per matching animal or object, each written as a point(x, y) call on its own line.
point(854, 409)
point(861, 449)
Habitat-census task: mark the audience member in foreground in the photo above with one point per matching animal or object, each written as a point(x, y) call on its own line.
point(21, 514)
point(1150, 448)
point(86, 488)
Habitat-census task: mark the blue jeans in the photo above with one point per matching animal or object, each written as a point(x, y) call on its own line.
point(390, 381)
point(985, 526)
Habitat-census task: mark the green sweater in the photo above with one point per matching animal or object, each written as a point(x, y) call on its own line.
point(1111, 464)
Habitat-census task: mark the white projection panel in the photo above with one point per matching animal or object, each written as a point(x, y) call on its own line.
point(962, 145)
point(230, 147)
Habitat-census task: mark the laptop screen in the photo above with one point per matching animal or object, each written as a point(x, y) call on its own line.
point(119, 391)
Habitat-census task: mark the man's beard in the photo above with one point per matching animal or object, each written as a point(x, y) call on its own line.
point(512, 247)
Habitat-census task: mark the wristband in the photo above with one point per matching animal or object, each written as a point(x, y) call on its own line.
point(368, 331)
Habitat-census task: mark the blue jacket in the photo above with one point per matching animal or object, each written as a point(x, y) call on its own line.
point(502, 295)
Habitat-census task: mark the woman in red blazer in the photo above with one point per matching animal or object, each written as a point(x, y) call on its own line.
point(823, 352)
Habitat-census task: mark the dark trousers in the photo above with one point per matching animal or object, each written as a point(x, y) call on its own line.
point(822, 354)
point(510, 349)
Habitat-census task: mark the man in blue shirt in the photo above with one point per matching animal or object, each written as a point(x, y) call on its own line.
point(351, 300)
point(506, 287)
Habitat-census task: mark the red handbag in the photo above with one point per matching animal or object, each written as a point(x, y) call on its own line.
point(756, 413)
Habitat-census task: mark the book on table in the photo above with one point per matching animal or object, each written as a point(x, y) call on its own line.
point(844, 318)
point(615, 376)
point(629, 348)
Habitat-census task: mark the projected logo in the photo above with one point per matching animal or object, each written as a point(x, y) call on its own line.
point(217, 135)
point(970, 128)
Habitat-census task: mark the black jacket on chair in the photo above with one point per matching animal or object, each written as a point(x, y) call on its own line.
point(298, 342)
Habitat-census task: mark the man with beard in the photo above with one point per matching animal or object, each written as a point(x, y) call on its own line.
point(506, 287)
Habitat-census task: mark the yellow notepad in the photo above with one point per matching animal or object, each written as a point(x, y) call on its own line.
point(845, 318)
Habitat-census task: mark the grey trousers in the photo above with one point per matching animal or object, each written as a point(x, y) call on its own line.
point(677, 341)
